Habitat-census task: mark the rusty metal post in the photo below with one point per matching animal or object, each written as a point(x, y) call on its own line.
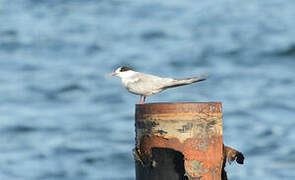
point(176, 141)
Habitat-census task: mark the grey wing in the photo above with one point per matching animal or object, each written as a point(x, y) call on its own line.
point(149, 84)
point(186, 81)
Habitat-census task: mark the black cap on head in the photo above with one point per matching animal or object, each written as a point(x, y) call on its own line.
point(125, 68)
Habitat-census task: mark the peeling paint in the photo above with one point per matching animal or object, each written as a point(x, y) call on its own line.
point(197, 167)
point(186, 127)
point(161, 132)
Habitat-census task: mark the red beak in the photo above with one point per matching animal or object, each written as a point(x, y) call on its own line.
point(113, 74)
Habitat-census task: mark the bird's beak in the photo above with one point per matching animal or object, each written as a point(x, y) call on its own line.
point(113, 74)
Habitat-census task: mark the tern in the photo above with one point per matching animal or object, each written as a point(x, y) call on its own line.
point(146, 84)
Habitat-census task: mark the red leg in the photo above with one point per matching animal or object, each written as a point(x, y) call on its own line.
point(140, 101)
point(144, 99)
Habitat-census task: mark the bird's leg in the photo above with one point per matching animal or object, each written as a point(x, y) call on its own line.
point(144, 99)
point(140, 101)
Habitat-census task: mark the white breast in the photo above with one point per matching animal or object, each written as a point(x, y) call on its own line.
point(127, 82)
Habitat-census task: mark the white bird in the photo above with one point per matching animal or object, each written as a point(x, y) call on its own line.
point(146, 84)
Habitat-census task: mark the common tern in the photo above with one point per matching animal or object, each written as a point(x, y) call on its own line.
point(146, 84)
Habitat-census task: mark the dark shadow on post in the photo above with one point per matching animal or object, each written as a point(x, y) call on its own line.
point(165, 163)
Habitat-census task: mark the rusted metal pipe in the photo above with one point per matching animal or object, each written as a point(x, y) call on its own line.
point(179, 141)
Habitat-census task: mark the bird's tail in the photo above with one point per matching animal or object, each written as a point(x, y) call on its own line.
point(186, 81)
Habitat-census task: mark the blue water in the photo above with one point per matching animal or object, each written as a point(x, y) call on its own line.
point(61, 119)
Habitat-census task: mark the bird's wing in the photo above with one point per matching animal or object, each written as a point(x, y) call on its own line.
point(147, 84)
point(148, 81)
point(186, 81)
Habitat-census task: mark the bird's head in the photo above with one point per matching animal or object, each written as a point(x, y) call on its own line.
point(122, 72)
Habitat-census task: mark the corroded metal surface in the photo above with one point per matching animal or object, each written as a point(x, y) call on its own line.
point(194, 129)
point(230, 155)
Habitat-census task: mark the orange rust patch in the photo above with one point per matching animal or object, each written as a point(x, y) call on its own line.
point(210, 159)
point(172, 108)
